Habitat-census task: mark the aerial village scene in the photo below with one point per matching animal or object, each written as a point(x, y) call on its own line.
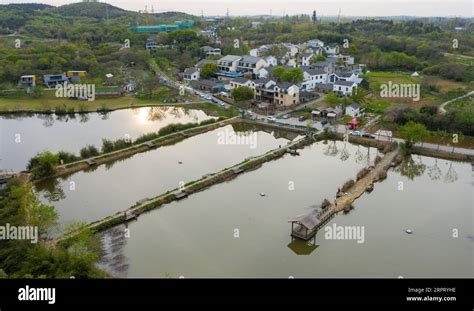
point(141, 142)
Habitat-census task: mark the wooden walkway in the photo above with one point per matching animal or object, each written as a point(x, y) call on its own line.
point(359, 188)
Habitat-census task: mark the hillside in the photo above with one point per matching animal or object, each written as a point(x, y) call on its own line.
point(91, 9)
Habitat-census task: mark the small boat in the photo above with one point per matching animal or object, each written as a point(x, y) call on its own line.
point(369, 189)
point(179, 162)
point(408, 231)
point(262, 194)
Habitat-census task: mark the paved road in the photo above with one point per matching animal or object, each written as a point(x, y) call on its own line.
point(441, 108)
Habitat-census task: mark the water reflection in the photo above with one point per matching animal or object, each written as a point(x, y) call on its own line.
point(103, 190)
point(300, 247)
point(412, 167)
point(70, 132)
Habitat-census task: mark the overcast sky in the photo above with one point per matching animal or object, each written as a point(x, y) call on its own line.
point(280, 7)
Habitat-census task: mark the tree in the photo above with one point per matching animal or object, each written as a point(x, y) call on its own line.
point(358, 95)
point(413, 133)
point(208, 70)
point(317, 58)
point(43, 164)
point(331, 99)
point(293, 75)
point(242, 93)
point(278, 72)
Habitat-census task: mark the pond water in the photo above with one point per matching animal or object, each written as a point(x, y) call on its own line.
point(229, 230)
point(24, 135)
point(94, 194)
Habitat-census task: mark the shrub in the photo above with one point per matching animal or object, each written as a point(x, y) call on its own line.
point(347, 185)
point(67, 157)
point(89, 151)
point(107, 145)
point(325, 203)
point(43, 164)
point(363, 172)
point(146, 137)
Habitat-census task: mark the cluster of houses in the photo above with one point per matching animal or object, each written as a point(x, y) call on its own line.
point(51, 80)
point(337, 73)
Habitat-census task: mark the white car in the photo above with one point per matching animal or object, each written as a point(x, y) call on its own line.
point(355, 133)
point(271, 119)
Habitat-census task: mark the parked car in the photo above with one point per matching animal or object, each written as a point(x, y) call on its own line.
point(302, 118)
point(324, 121)
point(355, 133)
point(368, 135)
point(271, 119)
point(286, 116)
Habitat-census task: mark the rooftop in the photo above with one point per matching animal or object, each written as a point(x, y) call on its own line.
point(230, 58)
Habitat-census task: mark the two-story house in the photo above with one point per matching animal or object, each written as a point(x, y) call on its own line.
point(305, 59)
point(228, 63)
point(344, 87)
point(250, 64)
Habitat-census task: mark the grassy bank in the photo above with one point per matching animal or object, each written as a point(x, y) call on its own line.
point(48, 167)
point(48, 103)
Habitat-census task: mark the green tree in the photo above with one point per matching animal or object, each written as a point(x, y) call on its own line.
point(208, 70)
point(293, 75)
point(242, 93)
point(331, 99)
point(43, 165)
point(317, 58)
point(358, 95)
point(413, 133)
point(278, 72)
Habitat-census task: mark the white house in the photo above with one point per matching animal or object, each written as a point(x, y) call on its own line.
point(344, 87)
point(191, 74)
point(332, 49)
point(228, 63)
point(292, 49)
point(312, 77)
point(353, 110)
point(241, 82)
point(271, 61)
point(209, 50)
point(306, 59)
point(263, 73)
point(251, 64)
point(342, 76)
point(314, 43)
point(346, 59)
point(254, 52)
